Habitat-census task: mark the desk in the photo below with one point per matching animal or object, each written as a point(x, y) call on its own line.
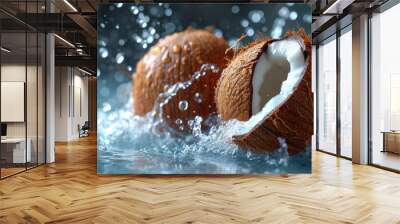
point(391, 141)
point(15, 148)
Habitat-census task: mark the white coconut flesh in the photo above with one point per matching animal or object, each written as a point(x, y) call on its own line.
point(278, 72)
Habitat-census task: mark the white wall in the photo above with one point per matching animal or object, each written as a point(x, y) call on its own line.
point(71, 87)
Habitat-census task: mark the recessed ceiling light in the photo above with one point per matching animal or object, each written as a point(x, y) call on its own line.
point(70, 5)
point(64, 40)
point(5, 50)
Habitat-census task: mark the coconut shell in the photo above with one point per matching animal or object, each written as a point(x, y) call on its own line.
point(291, 120)
point(174, 59)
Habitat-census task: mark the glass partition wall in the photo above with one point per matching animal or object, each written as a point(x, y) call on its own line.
point(385, 90)
point(334, 94)
point(22, 77)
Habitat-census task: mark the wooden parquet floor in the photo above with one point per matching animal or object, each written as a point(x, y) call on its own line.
point(70, 191)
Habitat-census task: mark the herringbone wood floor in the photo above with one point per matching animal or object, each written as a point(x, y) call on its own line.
point(70, 191)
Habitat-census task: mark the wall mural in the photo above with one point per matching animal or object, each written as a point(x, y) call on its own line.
point(204, 89)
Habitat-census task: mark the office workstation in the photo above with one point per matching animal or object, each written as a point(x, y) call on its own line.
point(22, 102)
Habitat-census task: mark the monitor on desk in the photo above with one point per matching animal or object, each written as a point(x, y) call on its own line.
point(3, 130)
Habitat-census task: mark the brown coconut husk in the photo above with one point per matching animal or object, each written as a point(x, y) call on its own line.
point(175, 59)
point(291, 120)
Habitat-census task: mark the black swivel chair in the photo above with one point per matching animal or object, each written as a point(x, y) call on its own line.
point(84, 130)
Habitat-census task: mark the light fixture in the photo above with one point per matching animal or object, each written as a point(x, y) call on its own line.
point(84, 71)
point(64, 40)
point(337, 7)
point(5, 50)
point(70, 5)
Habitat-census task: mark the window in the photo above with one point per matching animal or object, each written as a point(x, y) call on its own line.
point(346, 93)
point(385, 89)
point(327, 96)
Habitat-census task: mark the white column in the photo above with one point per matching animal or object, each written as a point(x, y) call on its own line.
point(50, 92)
point(360, 90)
point(50, 100)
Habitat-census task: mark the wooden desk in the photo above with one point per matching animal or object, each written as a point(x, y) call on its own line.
point(391, 141)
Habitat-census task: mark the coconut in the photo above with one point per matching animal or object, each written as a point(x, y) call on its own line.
point(174, 59)
point(268, 86)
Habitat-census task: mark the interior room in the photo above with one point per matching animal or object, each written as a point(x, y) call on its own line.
point(49, 126)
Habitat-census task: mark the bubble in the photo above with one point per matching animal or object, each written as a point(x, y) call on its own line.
point(168, 12)
point(178, 121)
point(256, 15)
point(279, 22)
point(119, 5)
point(264, 29)
point(250, 32)
point(284, 12)
point(144, 25)
point(117, 27)
point(235, 9)
point(276, 32)
point(134, 10)
point(102, 43)
point(129, 68)
point(121, 42)
point(102, 25)
point(152, 30)
point(307, 18)
point(183, 105)
point(144, 45)
point(150, 39)
point(198, 98)
point(106, 107)
point(293, 15)
point(103, 52)
point(218, 33)
point(170, 27)
point(155, 11)
point(244, 23)
point(119, 58)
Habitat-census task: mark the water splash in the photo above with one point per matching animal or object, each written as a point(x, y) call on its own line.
point(133, 144)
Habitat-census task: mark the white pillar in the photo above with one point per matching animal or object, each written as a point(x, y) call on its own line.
point(50, 92)
point(360, 90)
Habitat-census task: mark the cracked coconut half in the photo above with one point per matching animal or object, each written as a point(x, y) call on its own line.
point(267, 85)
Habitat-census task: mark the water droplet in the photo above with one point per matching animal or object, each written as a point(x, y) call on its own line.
point(218, 33)
point(244, 23)
point(284, 12)
point(183, 105)
point(152, 30)
point(119, 58)
point(168, 12)
point(198, 98)
point(249, 31)
point(178, 121)
point(307, 18)
point(293, 15)
point(106, 107)
point(121, 42)
point(235, 9)
point(256, 15)
point(103, 52)
point(134, 10)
